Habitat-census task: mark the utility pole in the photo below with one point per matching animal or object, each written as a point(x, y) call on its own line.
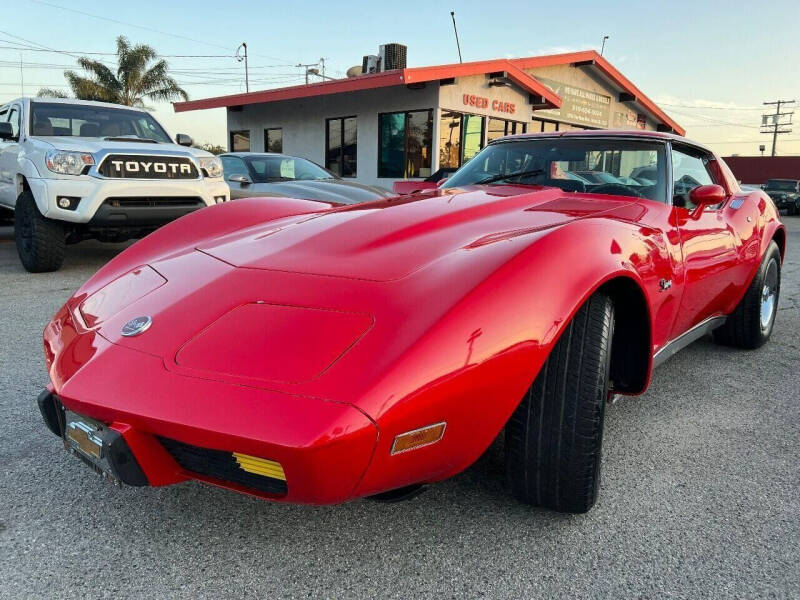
point(322, 66)
point(308, 68)
point(458, 44)
point(241, 58)
point(781, 122)
point(603, 46)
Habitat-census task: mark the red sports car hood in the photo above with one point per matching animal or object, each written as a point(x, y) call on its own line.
point(389, 239)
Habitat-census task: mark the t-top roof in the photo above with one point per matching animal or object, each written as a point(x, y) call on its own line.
point(513, 69)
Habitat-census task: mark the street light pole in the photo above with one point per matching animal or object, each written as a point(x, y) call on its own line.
point(603, 46)
point(240, 59)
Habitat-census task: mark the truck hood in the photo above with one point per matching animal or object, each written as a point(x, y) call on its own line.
point(93, 144)
point(389, 239)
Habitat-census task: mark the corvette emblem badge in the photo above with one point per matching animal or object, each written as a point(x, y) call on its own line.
point(136, 326)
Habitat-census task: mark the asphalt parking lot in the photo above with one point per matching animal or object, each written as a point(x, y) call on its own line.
point(700, 495)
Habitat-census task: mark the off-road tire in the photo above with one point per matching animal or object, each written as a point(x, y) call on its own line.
point(743, 327)
point(40, 241)
point(554, 438)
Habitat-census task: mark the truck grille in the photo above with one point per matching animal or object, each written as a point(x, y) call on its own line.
point(150, 201)
point(226, 467)
point(125, 166)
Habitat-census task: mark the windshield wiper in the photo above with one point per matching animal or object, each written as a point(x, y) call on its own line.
point(132, 138)
point(509, 176)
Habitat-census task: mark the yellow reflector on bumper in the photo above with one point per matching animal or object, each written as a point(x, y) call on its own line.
point(418, 438)
point(260, 466)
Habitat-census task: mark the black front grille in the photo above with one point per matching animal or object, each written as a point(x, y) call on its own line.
point(128, 166)
point(150, 201)
point(220, 465)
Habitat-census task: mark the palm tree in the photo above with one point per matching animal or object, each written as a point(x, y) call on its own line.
point(134, 80)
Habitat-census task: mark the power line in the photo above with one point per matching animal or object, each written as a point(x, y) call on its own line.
point(174, 35)
point(83, 52)
point(708, 107)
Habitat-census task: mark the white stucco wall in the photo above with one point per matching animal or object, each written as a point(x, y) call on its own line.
point(303, 122)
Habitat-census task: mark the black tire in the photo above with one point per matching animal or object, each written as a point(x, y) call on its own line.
point(745, 327)
point(554, 438)
point(40, 241)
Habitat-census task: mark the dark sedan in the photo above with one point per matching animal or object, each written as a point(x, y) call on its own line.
point(252, 174)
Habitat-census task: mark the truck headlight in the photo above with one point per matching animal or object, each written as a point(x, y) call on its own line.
point(68, 163)
point(211, 165)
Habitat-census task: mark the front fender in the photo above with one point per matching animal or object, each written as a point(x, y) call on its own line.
point(473, 366)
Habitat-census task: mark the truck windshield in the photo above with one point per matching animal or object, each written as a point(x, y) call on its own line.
point(86, 120)
point(781, 185)
point(593, 165)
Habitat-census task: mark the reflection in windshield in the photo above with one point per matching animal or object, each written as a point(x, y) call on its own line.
point(86, 120)
point(590, 165)
point(285, 168)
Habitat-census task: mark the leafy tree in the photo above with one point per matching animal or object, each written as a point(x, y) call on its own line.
point(213, 148)
point(52, 93)
point(137, 78)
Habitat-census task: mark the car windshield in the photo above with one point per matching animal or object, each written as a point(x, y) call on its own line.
point(86, 120)
point(268, 168)
point(603, 165)
point(781, 185)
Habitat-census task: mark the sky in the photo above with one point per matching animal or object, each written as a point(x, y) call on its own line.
point(709, 64)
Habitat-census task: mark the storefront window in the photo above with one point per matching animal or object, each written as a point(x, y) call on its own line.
point(450, 140)
point(273, 140)
point(473, 136)
point(341, 146)
point(497, 128)
point(240, 141)
point(404, 144)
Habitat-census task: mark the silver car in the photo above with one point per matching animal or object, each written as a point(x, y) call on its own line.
point(268, 174)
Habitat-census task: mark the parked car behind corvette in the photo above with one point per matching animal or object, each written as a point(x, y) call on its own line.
point(250, 174)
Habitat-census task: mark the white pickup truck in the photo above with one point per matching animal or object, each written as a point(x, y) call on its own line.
point(74, 169)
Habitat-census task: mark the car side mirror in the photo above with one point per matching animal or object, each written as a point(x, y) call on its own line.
point(706, 195)
point(241, 179)
point(6, 131)
point(440, 183)
point(184, 140)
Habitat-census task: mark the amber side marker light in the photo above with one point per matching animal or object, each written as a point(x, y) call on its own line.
point(260, 466)
point(424, 436)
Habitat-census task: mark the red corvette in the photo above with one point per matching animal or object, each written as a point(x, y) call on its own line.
point(312, 353)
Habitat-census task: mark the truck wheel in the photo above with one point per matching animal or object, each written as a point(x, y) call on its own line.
point(751, 323)
point(40, 241)
point(554, 438)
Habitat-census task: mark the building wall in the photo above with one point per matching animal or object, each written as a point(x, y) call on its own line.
point(614, 114)
point(589, 101)
point(303, 122)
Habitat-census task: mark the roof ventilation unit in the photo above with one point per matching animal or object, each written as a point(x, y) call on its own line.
point(393, 56)
point(371, 64)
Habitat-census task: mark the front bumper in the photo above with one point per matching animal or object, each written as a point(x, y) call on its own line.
point(93, 192)
point(179, 427)
point(782, 203)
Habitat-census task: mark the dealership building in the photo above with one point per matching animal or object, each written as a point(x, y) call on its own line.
point(391, 122)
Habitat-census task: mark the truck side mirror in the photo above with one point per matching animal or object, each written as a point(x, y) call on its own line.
point(184, 140)
point(6, 131)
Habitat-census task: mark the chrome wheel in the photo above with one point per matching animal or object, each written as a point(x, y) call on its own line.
point(769, 296)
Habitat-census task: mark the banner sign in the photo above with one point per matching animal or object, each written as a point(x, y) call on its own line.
point(578, 105)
